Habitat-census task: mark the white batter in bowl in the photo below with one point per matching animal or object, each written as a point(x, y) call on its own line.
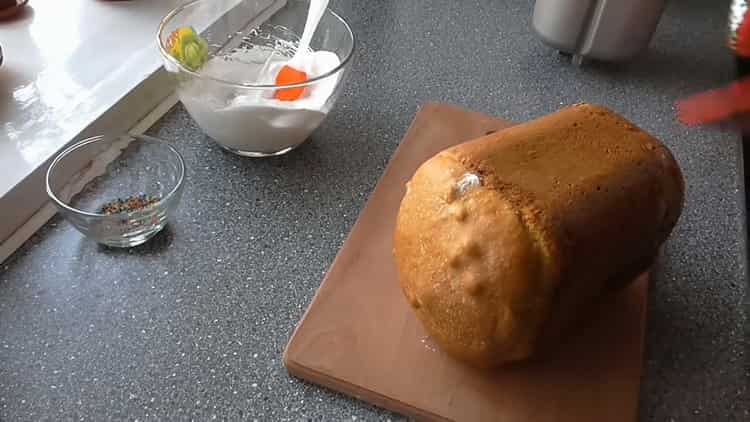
point(232, 96)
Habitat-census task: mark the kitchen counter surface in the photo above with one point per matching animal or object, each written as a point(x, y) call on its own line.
point(192, 325)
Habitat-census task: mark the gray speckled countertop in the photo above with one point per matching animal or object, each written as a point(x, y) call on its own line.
point(192, 325)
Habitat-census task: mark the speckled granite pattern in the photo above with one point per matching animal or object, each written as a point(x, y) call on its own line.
point(192, 325)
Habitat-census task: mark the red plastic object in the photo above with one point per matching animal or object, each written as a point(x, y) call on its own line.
point(716, 106)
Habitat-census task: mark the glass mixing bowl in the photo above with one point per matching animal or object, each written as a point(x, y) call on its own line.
point(242, 38)
point(117, 190)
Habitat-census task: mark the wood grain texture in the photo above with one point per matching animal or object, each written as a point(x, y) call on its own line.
point(360, 337)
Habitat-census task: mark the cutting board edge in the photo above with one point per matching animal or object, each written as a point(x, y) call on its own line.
point(299, 370)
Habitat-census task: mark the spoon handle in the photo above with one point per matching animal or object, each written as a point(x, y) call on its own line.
point(317, 8)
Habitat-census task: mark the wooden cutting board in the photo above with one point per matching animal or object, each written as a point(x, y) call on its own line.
point(360, 337)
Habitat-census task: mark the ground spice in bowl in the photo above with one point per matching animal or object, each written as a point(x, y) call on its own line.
point(129, 204)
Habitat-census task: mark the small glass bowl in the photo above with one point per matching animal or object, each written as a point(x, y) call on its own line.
point(144, 174)
point(256, 29)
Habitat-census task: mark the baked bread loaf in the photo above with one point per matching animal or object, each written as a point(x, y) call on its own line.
point(501, 243)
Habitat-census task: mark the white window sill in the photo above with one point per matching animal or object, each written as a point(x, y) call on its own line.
point(70, 70)
point(75, 69)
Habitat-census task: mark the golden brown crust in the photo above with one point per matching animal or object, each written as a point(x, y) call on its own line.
point(469, 266)
point(500, 242)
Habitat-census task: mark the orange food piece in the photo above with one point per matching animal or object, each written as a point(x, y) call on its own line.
point(290, 75)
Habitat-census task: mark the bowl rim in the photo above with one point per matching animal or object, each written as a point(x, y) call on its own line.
point(174, 12)
point(94, 139)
